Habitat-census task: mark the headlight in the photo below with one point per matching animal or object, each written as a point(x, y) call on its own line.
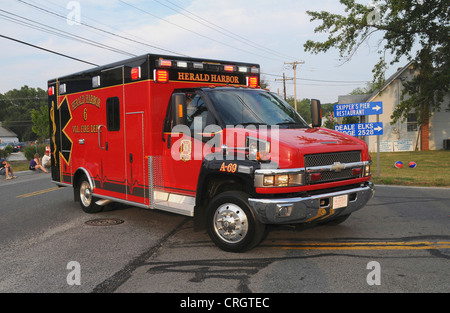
point(279, 178)
point(258, 149)
point(367, 170)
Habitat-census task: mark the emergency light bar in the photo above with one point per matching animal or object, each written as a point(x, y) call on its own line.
point(165, 63)
point(162, 67)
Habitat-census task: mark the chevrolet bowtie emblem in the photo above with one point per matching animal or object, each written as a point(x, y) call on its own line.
point(337, 167)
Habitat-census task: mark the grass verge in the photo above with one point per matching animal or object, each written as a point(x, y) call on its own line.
point(432, 168)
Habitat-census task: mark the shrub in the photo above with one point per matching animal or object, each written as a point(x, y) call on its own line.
point(4, 153)
point(30, 151)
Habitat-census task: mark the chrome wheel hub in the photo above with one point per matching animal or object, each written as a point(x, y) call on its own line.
point(85, 193)
point(230, 223)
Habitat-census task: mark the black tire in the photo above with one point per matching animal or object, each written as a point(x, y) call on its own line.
point(87, 200)
point(231, 223)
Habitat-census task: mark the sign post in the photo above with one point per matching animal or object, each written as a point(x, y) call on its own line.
point(361, 129)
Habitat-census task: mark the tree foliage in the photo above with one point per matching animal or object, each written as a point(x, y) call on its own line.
point(41, 125)
point(415, 29)
point(16, 107)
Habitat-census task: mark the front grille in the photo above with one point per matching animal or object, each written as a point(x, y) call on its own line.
point(324, 159)
point(321, 159)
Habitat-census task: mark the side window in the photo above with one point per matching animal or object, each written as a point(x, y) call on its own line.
point(196, 109)
point(113, 114)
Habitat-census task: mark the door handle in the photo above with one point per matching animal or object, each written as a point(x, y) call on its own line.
point(99, 137)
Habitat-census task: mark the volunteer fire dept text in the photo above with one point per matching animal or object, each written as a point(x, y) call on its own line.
point(85, 129)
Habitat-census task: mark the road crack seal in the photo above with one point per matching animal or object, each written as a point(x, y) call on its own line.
point(119, 278)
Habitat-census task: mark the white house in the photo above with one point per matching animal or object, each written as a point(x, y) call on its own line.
point(404, 135)
point(7, 136)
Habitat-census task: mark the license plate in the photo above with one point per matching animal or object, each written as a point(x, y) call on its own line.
point(340, 201)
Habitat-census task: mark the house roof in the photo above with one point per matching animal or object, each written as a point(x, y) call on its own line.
point(370, 96)
point(4, 132)
point(389, 81)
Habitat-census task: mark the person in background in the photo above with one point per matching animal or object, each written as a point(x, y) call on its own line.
point(36, 164)
point(46, 161)
point(6, 169)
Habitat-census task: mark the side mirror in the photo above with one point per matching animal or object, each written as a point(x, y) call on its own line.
point(316, 113)
point(179, 109)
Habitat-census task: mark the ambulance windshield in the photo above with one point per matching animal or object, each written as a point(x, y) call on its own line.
point(257, 107)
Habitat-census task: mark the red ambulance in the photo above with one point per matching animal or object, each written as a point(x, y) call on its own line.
point(198, 137)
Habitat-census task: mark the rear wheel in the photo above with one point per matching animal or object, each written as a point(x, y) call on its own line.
point(87, 200)
point(231, 224)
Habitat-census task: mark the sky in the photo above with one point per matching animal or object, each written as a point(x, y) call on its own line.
point(270, 33)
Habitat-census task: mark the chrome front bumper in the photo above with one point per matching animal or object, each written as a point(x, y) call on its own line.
point(319, 207)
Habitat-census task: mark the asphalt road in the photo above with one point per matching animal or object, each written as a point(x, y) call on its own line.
point(400, 242)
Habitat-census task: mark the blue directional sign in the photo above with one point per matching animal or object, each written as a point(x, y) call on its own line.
point(357, 109)
point(361, 129)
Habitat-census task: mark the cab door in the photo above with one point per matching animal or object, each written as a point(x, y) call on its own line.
point(183, 153)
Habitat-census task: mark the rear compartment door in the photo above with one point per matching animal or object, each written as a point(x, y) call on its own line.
point(111, 172)
point(134, 156)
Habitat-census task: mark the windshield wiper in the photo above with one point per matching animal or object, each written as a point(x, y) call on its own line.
point(292, 124)
point(251, 123)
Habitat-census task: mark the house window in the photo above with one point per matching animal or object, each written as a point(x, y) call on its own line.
point(113, 114)
point(411, 122)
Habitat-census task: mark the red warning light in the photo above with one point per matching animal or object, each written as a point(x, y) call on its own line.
point(252, 82)
point(136, 73)
point(165, 63)
point(161, 76)
point(228, 68)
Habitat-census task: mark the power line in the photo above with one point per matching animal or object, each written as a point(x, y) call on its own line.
point(194, 32)
point(99, 29)
point(50, 30)
point(322, 80)
point(47, 50)
point(222, 30)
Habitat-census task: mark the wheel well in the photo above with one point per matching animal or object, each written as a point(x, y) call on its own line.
point(76, 182)
point(217, 185)
point(214, 185)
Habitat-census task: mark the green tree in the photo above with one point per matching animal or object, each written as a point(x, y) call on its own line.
point(303, 108)
point(417, 29)
point(40, 120)
point(15, 110)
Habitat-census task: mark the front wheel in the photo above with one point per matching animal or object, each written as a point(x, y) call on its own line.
point(87, 200)
point(231, 224)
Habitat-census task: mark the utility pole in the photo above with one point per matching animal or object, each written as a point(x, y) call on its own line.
point(294, 66)
point(284, 84)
